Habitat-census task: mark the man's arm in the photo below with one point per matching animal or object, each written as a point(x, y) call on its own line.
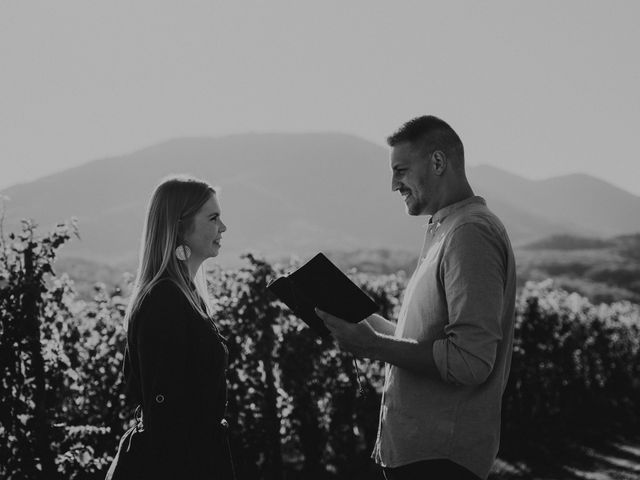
point(474, 275)
point(464, 354)
point(381, 325)
point(363, 340)
point(406, 353)
point(474, 272)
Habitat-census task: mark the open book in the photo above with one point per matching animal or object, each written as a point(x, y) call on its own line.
point(319, 283)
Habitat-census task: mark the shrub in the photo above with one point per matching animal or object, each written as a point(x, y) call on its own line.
point(293, 402)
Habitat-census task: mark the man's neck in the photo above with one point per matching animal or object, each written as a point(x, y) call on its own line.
point(452, 196)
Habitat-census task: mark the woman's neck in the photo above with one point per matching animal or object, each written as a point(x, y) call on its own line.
point(193, 265)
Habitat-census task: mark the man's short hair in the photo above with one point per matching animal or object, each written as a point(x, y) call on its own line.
point(432, 133)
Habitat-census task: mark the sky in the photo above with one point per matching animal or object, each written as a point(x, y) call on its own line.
point(539, 88)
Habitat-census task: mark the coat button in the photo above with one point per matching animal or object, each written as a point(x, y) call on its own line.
point(160, 398)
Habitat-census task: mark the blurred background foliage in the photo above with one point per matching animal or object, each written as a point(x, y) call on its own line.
point(294, 410)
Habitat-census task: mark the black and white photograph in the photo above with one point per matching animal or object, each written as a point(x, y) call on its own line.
point(337, 240)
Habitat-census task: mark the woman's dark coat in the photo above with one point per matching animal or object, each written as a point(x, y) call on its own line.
point(180, 361)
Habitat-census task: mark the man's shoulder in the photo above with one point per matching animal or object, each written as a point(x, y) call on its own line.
point(476, 229)
point(477, 217)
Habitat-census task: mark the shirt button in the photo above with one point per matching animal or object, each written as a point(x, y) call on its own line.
point(160, 398)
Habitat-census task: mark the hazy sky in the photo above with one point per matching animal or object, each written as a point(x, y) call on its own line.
point(540, 88)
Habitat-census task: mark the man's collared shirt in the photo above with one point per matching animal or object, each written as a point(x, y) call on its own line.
point(462, 293)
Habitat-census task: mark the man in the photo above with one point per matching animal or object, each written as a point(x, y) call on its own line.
point(449, 354)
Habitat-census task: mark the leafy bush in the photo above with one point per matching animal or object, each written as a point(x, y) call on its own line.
point(60, 362)
point(293, 402)
point(293, 395)
point(575, 366)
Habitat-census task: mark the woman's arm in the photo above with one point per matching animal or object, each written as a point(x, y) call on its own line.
point(163, 348)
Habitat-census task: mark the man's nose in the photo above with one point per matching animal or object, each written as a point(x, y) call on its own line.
point(395, 185)
point(223, 227)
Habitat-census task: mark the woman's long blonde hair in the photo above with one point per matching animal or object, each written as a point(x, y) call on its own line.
point(170, 215)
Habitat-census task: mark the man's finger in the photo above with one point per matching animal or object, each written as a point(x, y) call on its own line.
point(330, 326)
point(329, 317)
point(333, 321)
point(324, 316)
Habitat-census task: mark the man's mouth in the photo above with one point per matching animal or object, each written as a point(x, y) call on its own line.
point(405, 194)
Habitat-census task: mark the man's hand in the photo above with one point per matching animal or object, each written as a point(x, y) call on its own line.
point(381, 324)
point(363, 340)
point(357, 338)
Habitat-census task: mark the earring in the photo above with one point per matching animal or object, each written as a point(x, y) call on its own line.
point(183, 252)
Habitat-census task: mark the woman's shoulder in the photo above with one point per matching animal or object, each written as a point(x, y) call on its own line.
point(166, 294)
point(164, 299)
point(165, 286)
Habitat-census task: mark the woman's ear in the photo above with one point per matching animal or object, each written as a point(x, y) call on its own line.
point(181, 231)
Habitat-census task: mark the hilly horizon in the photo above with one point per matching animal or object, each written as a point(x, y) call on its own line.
point(284, 194)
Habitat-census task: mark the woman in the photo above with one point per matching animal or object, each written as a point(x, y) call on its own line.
point(177, 358)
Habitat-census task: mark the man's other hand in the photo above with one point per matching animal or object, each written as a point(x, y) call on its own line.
point(357, 338)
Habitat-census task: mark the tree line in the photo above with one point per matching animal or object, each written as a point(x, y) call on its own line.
point(295, 409)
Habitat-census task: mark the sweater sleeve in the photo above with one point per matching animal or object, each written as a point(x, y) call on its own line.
point(473, 273)
point(163, 348)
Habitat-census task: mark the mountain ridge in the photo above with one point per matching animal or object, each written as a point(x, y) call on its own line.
point(298, 193)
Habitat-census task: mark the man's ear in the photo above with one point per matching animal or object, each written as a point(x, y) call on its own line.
point(438, 162)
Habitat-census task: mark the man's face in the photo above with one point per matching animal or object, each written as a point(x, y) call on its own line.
point(412, 177)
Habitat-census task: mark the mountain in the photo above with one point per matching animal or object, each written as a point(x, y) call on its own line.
point(286, 194)
point(580, 203)
point(601, 270)
point(570, 243)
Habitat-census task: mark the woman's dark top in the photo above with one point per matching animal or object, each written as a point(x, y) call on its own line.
point(180, 360)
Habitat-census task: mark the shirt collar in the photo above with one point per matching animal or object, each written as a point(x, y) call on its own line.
point(444, 212)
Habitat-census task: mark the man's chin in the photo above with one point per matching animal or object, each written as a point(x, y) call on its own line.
point(412, 209)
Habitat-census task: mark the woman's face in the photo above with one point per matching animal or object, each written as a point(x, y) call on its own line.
point(206, 232)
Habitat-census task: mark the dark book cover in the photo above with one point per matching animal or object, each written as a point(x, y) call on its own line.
point(319, 283)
